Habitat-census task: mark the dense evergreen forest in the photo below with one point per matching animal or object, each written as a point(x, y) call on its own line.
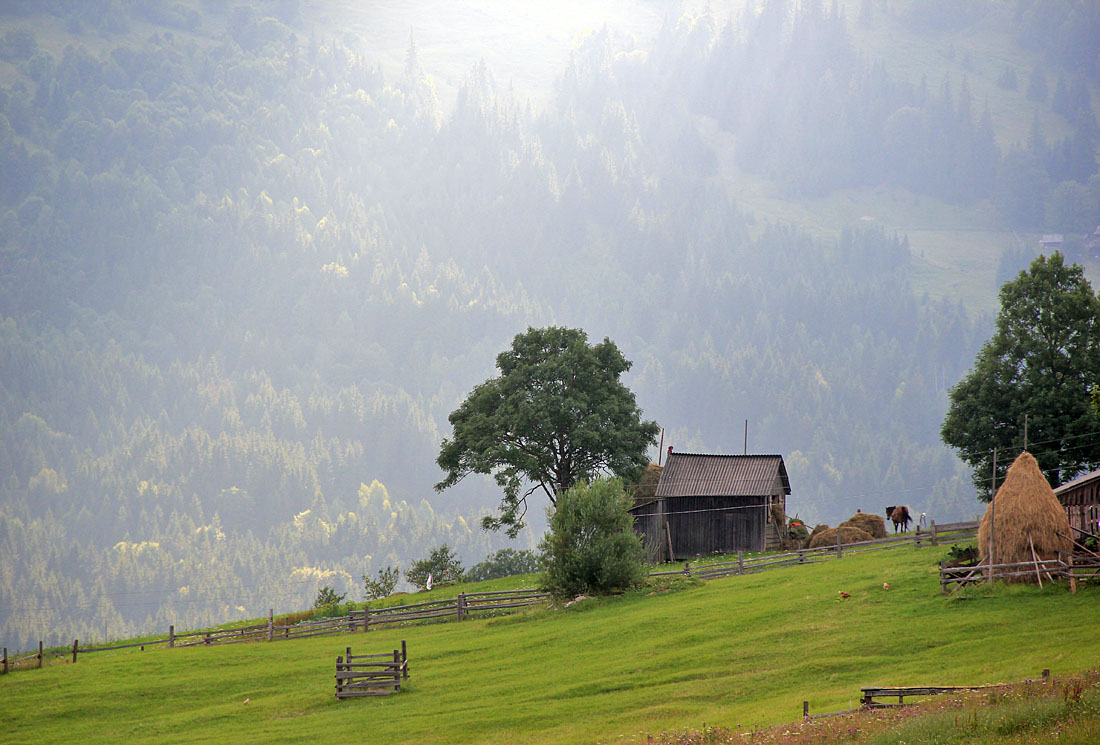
point(245, 276)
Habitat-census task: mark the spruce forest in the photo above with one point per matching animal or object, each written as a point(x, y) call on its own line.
point(250, 260)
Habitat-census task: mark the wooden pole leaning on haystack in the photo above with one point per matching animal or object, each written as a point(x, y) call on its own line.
point(992, 509)
point(1036, 560)
point(1028, 520)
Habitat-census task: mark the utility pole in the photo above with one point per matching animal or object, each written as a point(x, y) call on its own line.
point(993, 515)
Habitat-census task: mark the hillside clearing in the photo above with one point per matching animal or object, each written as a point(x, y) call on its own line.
point(742, 652)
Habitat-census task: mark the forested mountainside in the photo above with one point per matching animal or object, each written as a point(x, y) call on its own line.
point(245, 276)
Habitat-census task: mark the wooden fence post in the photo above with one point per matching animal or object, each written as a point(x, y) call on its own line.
point(1072, 578)
point(805, 709)
point(933, 532)
point(404, 660)
point(687, 569)
point(366, 618)
point(40, 655)
point(172, 636)
point(839, 552)
point(740, 562)
point(917, 539)
point(460, 607)
point(397, 670)
point(801, 557)
point(271, 624)
point(74, 650)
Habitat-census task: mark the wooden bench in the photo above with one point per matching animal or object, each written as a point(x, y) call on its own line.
point(371, 674)
point(870, 693)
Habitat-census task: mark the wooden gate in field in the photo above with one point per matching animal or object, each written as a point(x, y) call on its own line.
point(371, 674)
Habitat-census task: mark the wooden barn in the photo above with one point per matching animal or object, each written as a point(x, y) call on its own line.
point(714, 503)
point(1081, 500)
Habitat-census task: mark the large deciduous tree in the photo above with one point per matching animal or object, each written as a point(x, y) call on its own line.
point(556, 415)
point(1039, 364)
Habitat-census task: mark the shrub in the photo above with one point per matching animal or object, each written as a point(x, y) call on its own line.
point(442, 565)
point(591, 547)
point(383, 586)
point(326, 597)
point(503, 563)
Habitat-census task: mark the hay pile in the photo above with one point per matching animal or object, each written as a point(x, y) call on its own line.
point(779, 517)
point(872, 524)
point(1024, 506)
point(848, 534)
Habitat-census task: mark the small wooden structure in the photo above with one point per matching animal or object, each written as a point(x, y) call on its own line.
point(707, 504)
point(1081, 500)
point(870, 693)
point(371, 674)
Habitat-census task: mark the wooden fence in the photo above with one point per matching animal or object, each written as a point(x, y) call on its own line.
point(466, 604)
point(935, 535)
point(371, 674)
point(868, 694)
point(1074, 567)
point(458, 608)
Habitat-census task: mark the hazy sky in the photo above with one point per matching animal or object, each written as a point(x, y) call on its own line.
point(525, 42)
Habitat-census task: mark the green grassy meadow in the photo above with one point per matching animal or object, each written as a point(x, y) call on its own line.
point(742, 653)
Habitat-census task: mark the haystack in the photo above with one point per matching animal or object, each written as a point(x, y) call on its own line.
point(848, 534)
point(1027, 514)
point(872, 524)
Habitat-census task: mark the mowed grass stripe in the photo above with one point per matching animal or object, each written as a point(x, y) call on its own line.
point(741, 651)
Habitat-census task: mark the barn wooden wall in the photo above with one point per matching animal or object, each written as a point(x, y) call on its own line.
point(702, 525)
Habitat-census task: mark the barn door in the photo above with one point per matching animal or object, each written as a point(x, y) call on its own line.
point(735, 534)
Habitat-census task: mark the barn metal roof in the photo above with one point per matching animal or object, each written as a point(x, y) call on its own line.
point(698, 475)
point(1079, 481)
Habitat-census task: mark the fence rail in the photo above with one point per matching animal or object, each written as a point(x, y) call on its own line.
point(934, 536)
point(457, 608)
point(464, 604)
point(1071, 566)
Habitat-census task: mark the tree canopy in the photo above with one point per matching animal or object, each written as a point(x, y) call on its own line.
point(556, 415)
point(1039, 367)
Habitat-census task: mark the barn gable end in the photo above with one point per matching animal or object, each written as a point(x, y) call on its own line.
point(1081, 500)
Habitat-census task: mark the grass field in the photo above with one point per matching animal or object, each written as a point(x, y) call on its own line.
point(742, 652)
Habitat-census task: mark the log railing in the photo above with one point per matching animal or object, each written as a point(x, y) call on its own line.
point(458, 608)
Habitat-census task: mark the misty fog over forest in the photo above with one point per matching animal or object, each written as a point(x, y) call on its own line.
point(253, 253)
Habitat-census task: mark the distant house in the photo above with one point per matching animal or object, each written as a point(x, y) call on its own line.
point(1081, 500)
point(1052, 241)
point(705, 504)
